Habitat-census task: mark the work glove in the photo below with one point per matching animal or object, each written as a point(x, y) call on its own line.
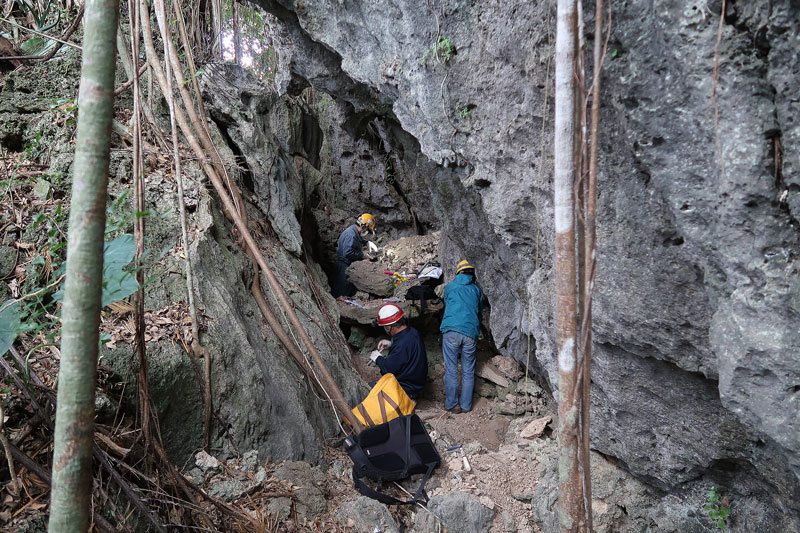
point(374, 356)
point(373, 252)
point(384, 344)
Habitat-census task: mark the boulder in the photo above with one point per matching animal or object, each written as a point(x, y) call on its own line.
point(206, 462)
point(228, 490)
point(457, 511)
point(489, 372)
point(309, 482)
point(368, 277)
point(365, 515)
point(535, 428)
point(508, 367)
point(354, 311)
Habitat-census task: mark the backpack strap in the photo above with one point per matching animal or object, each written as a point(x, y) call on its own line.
point(382, 404)
point(365, 414)
point(421, 488)
point(368, 491)
point(407, 420)
point(388, 399)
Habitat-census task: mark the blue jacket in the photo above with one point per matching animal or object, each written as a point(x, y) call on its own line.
point(350, 248)
point(463, 302)
point(407, 360)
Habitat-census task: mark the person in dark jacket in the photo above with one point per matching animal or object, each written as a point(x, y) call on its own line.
point(407, 358)
point(460, 328)
point(351, 248)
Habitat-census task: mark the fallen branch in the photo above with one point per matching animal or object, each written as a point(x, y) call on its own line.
point(99, 454)
point(40, 472)
point(7, 447)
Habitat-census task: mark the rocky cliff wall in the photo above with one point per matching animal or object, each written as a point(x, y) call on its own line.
point(696, 359)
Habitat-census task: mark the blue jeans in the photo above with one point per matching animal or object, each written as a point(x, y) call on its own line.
point(454, 342)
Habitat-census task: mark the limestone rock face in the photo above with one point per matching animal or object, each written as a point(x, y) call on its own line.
point(697, 349)
point(263, 400)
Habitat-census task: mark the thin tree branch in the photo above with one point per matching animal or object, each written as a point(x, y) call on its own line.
point(66, 35)
point(56, 39)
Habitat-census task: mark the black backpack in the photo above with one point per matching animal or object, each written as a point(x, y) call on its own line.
point(390, 452)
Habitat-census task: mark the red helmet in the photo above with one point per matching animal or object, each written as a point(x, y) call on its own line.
point(389, 314)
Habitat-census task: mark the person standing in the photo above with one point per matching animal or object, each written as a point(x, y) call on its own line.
point(351, 248)
point(407, 358)
point(460, 328)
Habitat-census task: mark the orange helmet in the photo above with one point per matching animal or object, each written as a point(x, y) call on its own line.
point(389, 313)
point(367, 220)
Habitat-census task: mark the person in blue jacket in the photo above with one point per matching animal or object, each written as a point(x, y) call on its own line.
point(407, 358)
point(460, 328)
point(351, 248)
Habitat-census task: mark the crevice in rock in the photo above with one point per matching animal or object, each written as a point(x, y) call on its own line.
point(390, 173)
point(241, 160)
point(311, 138)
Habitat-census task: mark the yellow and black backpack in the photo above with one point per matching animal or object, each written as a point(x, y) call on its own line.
point(386, 400)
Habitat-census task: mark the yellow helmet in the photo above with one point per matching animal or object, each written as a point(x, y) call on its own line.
point(367, 220)
point(464, 265)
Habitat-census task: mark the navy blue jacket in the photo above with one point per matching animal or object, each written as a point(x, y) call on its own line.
point(350, 248)
point(463, 302)
point(407, 360)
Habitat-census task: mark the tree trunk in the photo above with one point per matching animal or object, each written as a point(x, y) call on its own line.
point(237, 34)
point(590, 260)
point(72, 457)
point(216, 18)
point(570, 494)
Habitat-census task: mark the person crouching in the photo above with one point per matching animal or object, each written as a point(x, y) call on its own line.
point(407, 358)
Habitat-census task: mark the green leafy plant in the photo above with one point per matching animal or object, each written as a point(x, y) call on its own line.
point(464, 110)
point(55, 224)
point(117, 216)
point(118, 282)
point(718, 508)
point(190, 77)
point(37, 46)
point(33, 148)
point(39, 12)
point(67, 108)
point(34, 312)
point(9, 324)
point(442, 49)
point(325, 102)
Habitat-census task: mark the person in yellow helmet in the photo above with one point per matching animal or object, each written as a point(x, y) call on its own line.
point(460, 328)
point(351, 248)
